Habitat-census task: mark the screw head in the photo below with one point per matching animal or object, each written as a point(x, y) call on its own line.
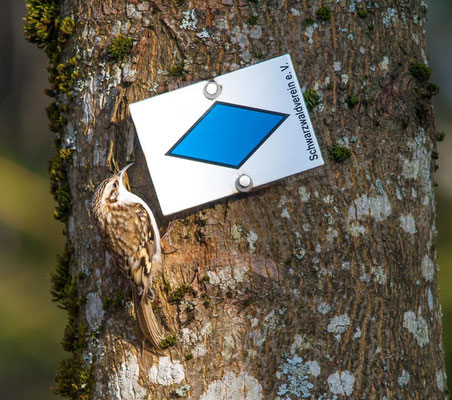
point(244, 183)
point(212, 89)
point(245, 180)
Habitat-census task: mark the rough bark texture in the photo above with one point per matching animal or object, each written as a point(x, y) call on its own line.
point(320, 286)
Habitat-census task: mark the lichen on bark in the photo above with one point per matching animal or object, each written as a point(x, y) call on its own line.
point(315, 286)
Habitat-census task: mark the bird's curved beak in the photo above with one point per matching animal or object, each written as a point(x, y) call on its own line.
point(121, 173)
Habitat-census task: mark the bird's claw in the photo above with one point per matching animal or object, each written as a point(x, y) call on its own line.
point(169, 252)
point(170, 242)
point(168, 230)
point(150, 295)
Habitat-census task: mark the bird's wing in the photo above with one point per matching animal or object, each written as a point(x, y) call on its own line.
point(132, 247)
point(129, 230)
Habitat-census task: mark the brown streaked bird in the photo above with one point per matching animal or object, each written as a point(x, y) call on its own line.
point(131, 235)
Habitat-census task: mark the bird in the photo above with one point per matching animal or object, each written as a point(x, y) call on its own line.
point(131, 236)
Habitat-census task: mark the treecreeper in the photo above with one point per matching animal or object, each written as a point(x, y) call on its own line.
point(131, 236)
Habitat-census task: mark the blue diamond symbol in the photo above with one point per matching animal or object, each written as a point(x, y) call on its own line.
point(227, 134)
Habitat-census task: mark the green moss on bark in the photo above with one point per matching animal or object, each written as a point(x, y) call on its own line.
point(49, 30)
point(420, 71)
point(338, 153)
point(176, 70)
point(59, 185)
point(440, 136)
point(252, 20)
point(179, 294)
point(120, 47)
point(363, 13)
point(65, 76)
point(311, 98)
point(351, 101)
point(428, 90)
point(115, 301)
point(168, 342)
point(45, 27)
point(323, 13)
point(73, 381)
point(57, 118)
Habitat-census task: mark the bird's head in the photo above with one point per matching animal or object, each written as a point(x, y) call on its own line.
point(108, 191)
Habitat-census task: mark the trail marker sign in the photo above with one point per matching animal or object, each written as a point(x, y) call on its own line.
point(215, 138)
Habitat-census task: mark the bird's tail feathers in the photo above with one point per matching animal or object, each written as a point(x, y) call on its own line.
point(147, 321)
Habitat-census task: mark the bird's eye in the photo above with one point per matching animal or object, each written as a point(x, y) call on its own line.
point(115, 185)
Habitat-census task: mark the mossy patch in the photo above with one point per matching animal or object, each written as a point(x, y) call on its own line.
point(74, 382)
point(75, 336)
point(66, 75)
point(59, 185)
point(42, 25)
point(41, 21)
point(440, 136)
point(420, 71)
point(166, 287)
point(176, 70)
point(168, 342)
point(179, 294)
point(252, 20)
point(338, 153)
point(432, 89)
point(56, 114)
point(363, 13)
point(323, 13)
point(351, 101)
point(61, 280)
point(45, 27)
point(429, 90)
point(64, 202)
point(50, 30)
point(309, 21)
point(120, 47)
point(115, 301)
point(67, 26)
point(83, 274)
point(312, 98)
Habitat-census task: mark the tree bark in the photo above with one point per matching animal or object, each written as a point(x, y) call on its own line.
point(320, 286)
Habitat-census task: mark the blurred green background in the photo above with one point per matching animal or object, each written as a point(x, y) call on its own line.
point(31, 327)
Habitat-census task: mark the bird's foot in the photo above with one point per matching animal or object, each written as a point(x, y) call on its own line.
point(168, 230)
point(167, 236)
point(150, 295)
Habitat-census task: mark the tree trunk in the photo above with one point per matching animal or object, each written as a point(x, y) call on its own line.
point(320, 286)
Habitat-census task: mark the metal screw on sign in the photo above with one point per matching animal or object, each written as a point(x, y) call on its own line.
point(244, 183)
point(212, 89)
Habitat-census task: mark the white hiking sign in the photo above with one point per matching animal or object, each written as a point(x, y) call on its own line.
point(216, 138)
